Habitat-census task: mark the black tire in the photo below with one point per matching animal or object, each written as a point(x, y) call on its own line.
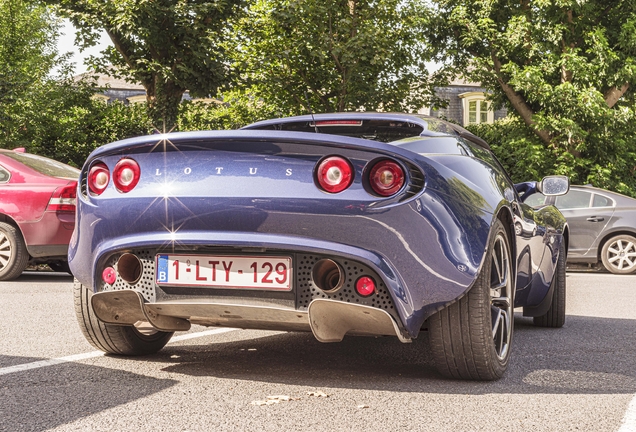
point(60, 266)
point(471, 338)
point(619, 254)
point(555, 316)
point(13, 252)
point(114, 339)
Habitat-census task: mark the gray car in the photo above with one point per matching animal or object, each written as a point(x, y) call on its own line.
point(602, 226)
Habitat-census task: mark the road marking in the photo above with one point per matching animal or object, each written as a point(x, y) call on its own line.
point(629, 419)
point(77, 357)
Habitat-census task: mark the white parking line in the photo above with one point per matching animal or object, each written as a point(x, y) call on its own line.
point(629, 419)
point(77, 357)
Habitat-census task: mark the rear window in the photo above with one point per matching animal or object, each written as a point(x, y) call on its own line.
point(44, 165)
point(4, 175)
point(377, 130)
point(602, 201)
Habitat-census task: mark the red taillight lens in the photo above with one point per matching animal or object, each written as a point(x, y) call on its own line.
point(334, 174)
point(365, 286)
point(126, 175)
point(64, 198)
point(386, 177)
point(337, 123)
point(98, 178)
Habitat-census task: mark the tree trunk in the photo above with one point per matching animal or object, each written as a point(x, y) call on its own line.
point(519, 104)
point(163, 100)
point(163, 96)
point(614, 94)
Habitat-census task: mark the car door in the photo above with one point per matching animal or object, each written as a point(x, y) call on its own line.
point(587, 214)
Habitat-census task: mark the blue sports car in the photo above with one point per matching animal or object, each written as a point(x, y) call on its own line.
point(371, 224)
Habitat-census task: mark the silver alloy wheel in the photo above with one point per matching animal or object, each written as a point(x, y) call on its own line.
point(501, 302)
point(5, 251)
point(621, 254)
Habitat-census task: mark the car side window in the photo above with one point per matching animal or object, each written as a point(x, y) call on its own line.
point(573, 199)
point(4, 175)
point(602, 201)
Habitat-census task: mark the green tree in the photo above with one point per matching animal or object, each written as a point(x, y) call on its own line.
point(27, 54)
point(566, 68)
point(340, 54)
point(168, 46)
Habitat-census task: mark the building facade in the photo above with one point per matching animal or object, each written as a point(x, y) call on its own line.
point(466, 104)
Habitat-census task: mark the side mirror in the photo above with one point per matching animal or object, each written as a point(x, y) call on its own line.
point(554, 185)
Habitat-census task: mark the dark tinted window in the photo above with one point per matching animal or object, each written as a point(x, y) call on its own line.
point(602, 201)
point(377, 130)
point(4, 175)
point(573, 199)
point(44, 165)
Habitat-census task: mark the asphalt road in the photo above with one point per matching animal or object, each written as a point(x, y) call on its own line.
point(581, 377)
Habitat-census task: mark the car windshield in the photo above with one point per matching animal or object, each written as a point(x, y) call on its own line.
point(44, 165)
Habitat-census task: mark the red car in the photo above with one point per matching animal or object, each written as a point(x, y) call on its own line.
point(37, 212)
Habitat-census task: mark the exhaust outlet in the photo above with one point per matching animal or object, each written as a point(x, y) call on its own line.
point(327, 275)
point(129, 268)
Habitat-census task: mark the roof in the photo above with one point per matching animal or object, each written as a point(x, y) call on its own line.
point(103, 80)
point(459, 81)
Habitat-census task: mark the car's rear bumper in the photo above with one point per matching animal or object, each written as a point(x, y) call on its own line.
point(329, 320)
point(422, 253)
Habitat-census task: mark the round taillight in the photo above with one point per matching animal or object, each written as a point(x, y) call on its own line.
point(386, 178)
point(98, 178)
point(334, 174)
point(126, 175)
point(365, 286)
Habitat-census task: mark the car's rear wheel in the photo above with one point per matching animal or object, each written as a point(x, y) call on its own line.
point(115, 339)
point(13, 253)
point(471, 338)
point(555, 316)
point(619, 254)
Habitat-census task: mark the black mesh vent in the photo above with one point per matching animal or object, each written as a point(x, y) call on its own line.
point(145, 285)
point(307, 291)
point(84, 183)
point(416, 182)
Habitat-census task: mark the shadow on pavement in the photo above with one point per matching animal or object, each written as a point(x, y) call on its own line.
point(587, 356)
point(42, 277)
point(41, 399)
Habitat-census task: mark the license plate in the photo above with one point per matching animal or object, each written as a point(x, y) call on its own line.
point(244, 272)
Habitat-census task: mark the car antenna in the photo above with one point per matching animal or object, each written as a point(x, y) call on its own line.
point(311, 112)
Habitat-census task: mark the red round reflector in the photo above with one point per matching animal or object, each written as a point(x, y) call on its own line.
point(386, 177)
point(334, 174)
point(365, 286)
point(98, 178)
point(109, 275)
point(126, 175)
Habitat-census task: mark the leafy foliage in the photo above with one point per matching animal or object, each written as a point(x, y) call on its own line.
point(27, 53)
point(63, 122)
point(168, 46)
point(239, 108)
point(334, 55)
point(565, 68)
point(520, 151)
point(525, 157)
